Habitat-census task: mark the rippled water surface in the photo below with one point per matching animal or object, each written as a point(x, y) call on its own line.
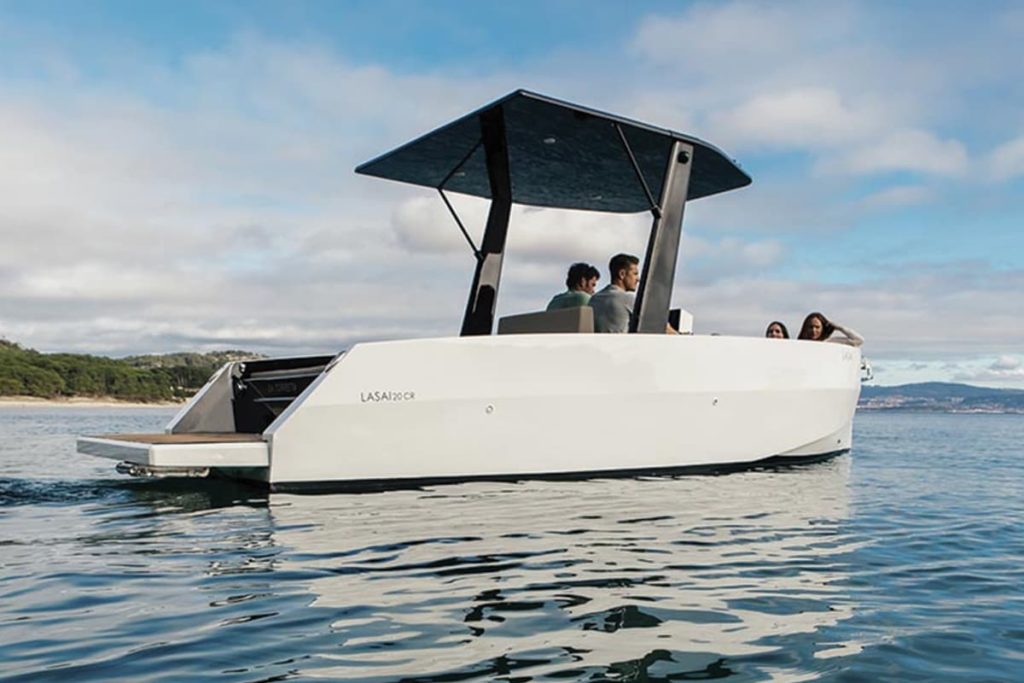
point(903, 561)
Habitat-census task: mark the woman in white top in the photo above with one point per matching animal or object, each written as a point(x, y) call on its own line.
point(819, 328)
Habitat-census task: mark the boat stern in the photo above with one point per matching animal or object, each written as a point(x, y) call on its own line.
point(188, 455)
point(221, 428)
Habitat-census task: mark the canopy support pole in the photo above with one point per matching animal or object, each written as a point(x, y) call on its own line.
point(479, 317)
point(654, 295)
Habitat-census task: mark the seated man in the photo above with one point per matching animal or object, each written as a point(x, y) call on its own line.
point(613, 305)
point(581, 282)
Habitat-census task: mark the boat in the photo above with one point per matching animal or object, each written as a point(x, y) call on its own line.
point(533, 395)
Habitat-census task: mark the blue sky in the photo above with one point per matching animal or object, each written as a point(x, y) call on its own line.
point(178, 175)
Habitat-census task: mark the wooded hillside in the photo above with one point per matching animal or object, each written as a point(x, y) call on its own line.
point(25, 372)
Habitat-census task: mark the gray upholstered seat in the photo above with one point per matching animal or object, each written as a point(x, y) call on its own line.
point(563, 320)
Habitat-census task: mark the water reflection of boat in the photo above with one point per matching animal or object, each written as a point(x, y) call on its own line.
point(483, 406)
point(599, 578)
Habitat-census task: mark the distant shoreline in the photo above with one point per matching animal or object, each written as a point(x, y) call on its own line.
point(80, 402)
point(919, 410)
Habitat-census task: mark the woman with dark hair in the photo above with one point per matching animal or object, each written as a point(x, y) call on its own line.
point(776, 330)
point(817, 327)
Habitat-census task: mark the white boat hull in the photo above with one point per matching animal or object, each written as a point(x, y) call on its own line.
point(519, 406)
point(560, 404)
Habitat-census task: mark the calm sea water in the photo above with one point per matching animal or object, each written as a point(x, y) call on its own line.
point(903, 561)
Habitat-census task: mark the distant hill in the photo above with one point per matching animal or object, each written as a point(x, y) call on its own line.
point(186, 360)
point(26, 372)
point(944, 397)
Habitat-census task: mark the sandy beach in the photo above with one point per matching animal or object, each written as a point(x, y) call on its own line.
point(79, 402)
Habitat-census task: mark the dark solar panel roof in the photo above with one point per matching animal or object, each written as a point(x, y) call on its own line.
point(560, 155)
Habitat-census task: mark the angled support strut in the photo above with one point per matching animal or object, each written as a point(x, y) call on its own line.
point(655, 209)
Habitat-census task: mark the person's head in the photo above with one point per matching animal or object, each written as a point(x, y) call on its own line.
point(624, 270)
point(816, 327)
point(582, 277)
point(776, 330)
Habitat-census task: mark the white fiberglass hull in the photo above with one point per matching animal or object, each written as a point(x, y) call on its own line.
point(518, 406)
point(535, 405)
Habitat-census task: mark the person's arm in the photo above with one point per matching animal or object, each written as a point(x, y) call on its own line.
point(851, 336)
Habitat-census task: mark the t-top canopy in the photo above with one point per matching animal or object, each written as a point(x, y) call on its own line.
point(560, 155)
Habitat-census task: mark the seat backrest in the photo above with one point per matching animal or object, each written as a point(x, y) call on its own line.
point(681, 320)
point(562, 320)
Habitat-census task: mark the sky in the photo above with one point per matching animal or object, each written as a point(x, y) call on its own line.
point(178, 176)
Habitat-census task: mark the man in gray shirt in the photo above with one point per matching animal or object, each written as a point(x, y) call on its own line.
point(613, 305)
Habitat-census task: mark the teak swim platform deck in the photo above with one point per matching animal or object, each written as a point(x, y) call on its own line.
point(194, 438)
point(181, 450)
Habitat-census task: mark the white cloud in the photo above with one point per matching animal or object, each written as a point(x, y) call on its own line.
point(802, 118)
point(968, 369)
point(1006, 363)
point(989, 376)
point(423, 224)
point(1007, 160)
point(1003, 371)
point(898, 195)
point(917, 312)
point(706, 260)
point(905, 150)
point(139, 223)
point(856, 141)
point(536, 235)
point(721, 37)
point(807, 77)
